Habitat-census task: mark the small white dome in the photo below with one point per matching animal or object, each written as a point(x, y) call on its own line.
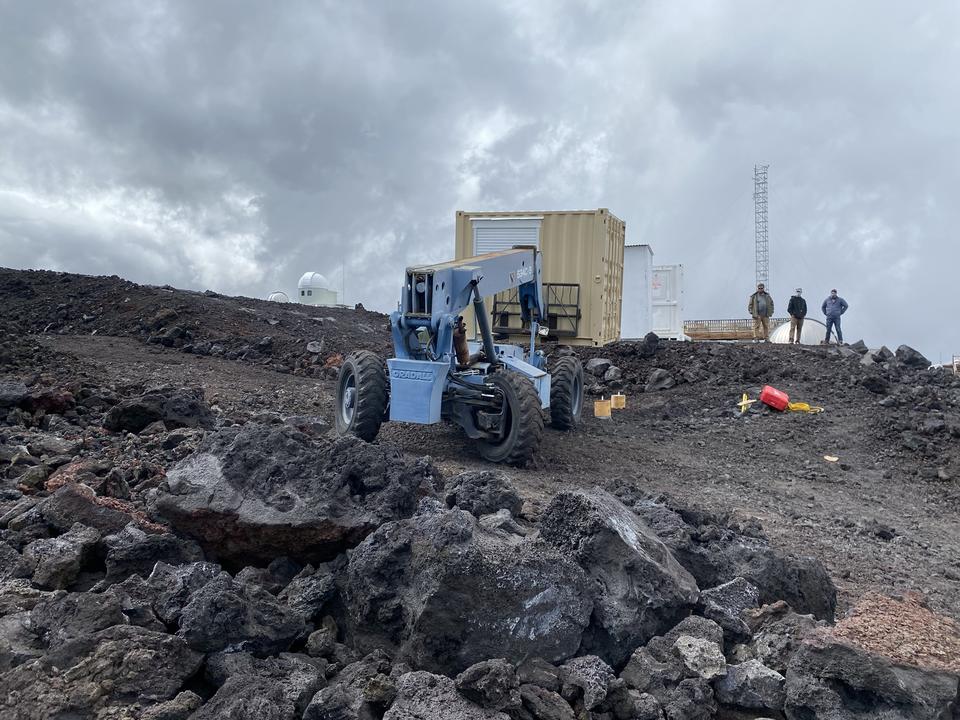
point(313, 280)
point(278, 296)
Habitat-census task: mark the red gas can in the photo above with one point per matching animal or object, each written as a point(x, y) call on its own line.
point(776, 399)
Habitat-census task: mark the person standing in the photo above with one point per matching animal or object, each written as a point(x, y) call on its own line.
point(833, 307)
point(760, 307)
point(797, 310)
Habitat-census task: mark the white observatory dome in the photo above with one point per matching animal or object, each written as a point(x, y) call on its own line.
point(278, 296)
point(813, 332)
point(313, 280)
point(314, 289)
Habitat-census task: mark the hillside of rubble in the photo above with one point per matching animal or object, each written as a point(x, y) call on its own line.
point(173, 501)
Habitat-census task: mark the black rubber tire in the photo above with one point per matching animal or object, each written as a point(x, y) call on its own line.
point(566, 393)
point(526, 421)
point(366, 374)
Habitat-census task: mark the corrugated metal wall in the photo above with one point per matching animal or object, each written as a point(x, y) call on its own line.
point(581, 247)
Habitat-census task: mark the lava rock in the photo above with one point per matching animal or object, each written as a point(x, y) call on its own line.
point(491, 684)
point(13, 564)
point(884, 354)
point(544, 704)
point(751, 685)
point(537, 671)
point(180, 708)
point(482, 492)
point(613, 374)
point(309, 592)
point(224, 612)
point(92, 675)
point(425, 696)
point(701, 658)
point(860, 347)
point(18, 643)
point(175, 408)
point(826, 674)
point(75, 503)
point(777, 633)
point(659, 379)
point(58, 561)
point(12, 393)
point(63, 617)
point(597, 366)
point(642, 589)
point(279, 688)
point(173, 586)
point(587, 678)
point(909, 357)
point(726, 603)
point(446, 593)
point(18, 595)
point(715, 554)
point(876, 383)
point(262, 491)
point(134, 551)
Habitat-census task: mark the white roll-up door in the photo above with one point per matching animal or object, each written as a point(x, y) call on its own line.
point(495, 234)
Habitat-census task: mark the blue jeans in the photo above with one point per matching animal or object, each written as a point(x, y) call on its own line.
point(834, 322)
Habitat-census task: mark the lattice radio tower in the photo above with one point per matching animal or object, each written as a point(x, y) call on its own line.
point(760, 223)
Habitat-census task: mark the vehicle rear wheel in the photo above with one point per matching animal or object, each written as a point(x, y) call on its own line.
point(566, 393)
point(523, 421)
point(362, 393)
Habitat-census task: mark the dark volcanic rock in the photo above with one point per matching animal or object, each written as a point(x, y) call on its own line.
point(12, 564)
point(751, 685)
point(543, 704)
point(57, 561)
point(12, 393)
point(227, 613)
point(777, 634)
point(492, 684)
point(715, 554)
point(659, 379)
point(643, 590)
point(175, 408)
point(112, 668)
point(424, 696)
point(447, 593)
point(263, 491)
point(173, 586)
point(134, 551)
point(830, 679)
point(911, 358)
point(76, 503)
point(277, 688)
point(482, 492)
point(726, 604)
point(309, 592)
point(586, 679)
point(63, 617)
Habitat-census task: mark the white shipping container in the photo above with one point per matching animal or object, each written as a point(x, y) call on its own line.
point(636, 318)
point(667, 290)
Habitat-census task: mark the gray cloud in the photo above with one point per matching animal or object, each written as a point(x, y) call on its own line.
point(233, 145)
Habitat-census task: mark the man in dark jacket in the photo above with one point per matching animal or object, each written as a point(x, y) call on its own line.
point(797, 309)
point(833, 307)
point(760, 307)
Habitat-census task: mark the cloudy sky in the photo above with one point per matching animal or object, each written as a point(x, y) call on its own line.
point(234, 145)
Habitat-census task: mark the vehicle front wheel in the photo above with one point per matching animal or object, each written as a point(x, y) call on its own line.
point(522, 420)
point(362, 395)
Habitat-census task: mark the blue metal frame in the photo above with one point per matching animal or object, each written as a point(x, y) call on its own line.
point(432, 300)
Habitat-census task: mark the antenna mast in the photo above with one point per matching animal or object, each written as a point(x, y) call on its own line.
point(760, 222)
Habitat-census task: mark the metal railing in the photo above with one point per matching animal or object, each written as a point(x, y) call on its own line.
point(562, 306)
point(739, 329)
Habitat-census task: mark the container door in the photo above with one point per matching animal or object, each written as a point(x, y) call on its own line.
point(495, 234)
point(667, 290)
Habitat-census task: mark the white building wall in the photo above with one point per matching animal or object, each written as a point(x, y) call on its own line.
point(636, 318)
point(667, 286)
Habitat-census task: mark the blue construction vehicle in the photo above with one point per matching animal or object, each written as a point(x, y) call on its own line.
point(495, 392)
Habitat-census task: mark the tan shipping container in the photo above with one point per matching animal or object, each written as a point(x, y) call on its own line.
point(582, 269)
